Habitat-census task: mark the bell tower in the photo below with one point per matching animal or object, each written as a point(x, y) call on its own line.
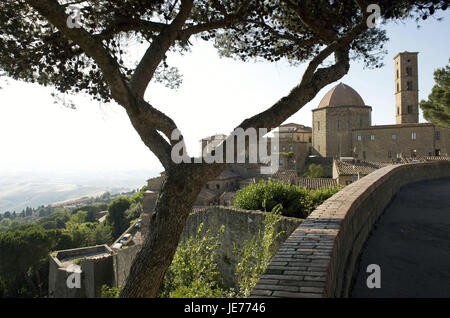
point(406, 88)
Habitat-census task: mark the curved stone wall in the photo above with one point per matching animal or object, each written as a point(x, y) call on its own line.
point(318, 259)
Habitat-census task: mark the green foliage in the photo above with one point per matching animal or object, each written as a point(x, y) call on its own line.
point(101, 234)
point(437, 108)
point(110, 292)
point(134, 211)
point(296, 201)
point(193, 272)
point(24, 260)
point(116, 217)
point(273, 192)
point(257, 253)
point(314, 171)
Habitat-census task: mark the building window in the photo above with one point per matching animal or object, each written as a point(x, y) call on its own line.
point(437, 135)
point(372, 137)
point(398, 87)
point(319, 147)
point(217, 186)
point(397, 74)
point(291, 148)
point(394, 136)
point(398, 110)
point(413, 153)
point(338, 124)
point(207, 186)
point(358, 137)
point(413, 136)
point(409, 85)
point(389, 154)
point(437, 152)
point(364, 155)
point(409, 109)
point(318, 125)
point(281, 161)
point(408, 71)
point(283, 148)
point(309, 140)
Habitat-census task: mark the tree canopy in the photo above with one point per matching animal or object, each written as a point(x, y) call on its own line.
point(437, 108)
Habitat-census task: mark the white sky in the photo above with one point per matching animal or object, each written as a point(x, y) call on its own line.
point(216, 95)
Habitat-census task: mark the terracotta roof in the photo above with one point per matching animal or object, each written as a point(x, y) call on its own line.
point(227, 196)
point(206, 195)
point(341, 95)
point(423, 159)
point(316, 183)
point(227, 174)
point(363, 167)
point(286, 176)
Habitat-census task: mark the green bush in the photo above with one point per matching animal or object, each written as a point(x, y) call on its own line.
point(296, 201)
point(193, 272)
point(110, 292)
point(256, 254)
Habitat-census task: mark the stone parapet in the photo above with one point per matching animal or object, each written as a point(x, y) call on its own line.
point(318, 259)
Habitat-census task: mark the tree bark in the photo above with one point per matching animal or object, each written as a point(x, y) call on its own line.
point(180, 190)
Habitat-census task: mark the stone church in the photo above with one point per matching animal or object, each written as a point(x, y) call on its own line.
point(342, 124)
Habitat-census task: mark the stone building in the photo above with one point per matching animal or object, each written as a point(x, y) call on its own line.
point(342, 123)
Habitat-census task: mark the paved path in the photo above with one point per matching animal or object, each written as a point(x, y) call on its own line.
point(411, 244)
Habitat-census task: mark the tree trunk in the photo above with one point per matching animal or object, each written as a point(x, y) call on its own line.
point(178, 195)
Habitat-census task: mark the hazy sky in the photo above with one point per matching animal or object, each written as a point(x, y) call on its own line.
point(216, 95)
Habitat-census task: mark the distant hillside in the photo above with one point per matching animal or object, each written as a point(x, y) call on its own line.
point(19, 190)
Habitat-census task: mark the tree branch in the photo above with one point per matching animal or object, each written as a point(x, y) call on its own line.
point(157, 50)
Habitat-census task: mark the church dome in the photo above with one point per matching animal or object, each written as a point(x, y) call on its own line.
point(341, 95)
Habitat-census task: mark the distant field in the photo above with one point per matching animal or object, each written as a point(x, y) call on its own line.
point(19, 190)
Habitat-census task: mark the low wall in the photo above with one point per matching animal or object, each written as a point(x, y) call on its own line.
point(319, 257)
point(240, 225)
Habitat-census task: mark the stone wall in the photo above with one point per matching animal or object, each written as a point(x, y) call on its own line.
point(240, 225)
point(123, 259)
point(319, 257)
point(403, 144)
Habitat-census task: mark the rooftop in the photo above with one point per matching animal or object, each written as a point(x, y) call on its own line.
point(341, 95)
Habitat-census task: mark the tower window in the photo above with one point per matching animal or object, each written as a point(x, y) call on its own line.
point(410, 110)
point(413, 136)
point(398, 87)
point(398, 110)
point(318, 125)
point(397, 74)
point(408, 71)
point(409, 86)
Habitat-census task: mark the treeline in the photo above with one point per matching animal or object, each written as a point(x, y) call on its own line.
point(12, 219)
point(24, 248)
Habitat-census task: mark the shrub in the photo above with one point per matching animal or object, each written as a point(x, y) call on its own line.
point(257, 253)
point(110, 292)
point(193, 272)
point(296, 201)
